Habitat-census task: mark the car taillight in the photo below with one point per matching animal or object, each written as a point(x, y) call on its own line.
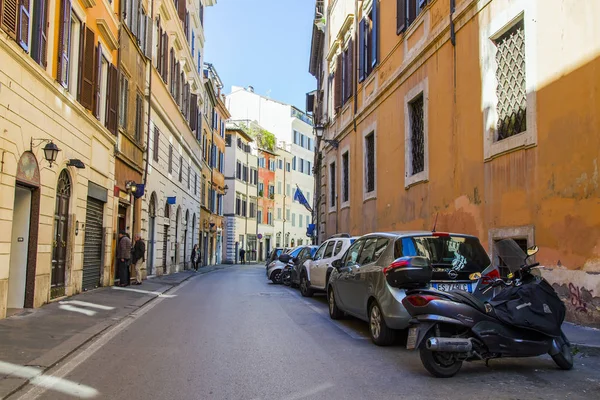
point(440, 234)
point(396, 264)
point(420, 300)
point(489, 277)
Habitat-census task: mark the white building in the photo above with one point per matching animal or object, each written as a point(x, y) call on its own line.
point(294, 132)
point(240, 206)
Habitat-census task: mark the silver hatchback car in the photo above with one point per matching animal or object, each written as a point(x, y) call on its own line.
point(358, 284)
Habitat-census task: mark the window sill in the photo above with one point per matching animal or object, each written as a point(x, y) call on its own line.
point(421, 177)
point(523, 140)
point(370, 196)
point(345, 205)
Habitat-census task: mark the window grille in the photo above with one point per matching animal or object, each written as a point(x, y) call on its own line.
point(417, 135)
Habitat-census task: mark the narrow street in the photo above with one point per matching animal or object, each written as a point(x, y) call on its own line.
point(230, 334)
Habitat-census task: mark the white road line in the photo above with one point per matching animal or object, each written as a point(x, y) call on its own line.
point(158, 294)
point(45, 382)
point(57, 384)
point(317, 389)
point(67, 307)
point(86, 304)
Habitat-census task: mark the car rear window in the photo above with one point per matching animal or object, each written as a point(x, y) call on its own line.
point(329, 250)
point(456, 252)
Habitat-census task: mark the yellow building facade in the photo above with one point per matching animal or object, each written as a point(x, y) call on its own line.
point(480, 114)
point(57, 91)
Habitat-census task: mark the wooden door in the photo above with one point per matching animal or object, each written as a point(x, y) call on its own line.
point(61, 235)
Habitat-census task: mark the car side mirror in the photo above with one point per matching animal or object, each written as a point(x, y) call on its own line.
point(295, 260)
point(337, 264)
point(285, 258)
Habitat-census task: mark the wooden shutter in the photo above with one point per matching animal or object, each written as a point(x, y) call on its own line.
point(156, 143)
point(350, 69)
point(87, 70)
point(112, 99)
point(193, 113)
point(148, 38)
point(64, 28)
point(199, 126)
point(361, 51)
point(400, 16)
point(338, 83)
point(165, 45)
point(24, 18)
point(42, 55)
point(98, 81)
point(9, 10)
point(170, 158)
point(412, 12)
point(375, 34)
point(181, 9)
point(172, 72)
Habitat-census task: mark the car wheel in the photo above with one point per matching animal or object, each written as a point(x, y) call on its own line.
point(276, 276)
point(334, 311)
point(305, 290)
point(381, 334)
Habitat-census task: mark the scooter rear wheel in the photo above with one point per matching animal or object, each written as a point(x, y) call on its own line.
point(438, 364)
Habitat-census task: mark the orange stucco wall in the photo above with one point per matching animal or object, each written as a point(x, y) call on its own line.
point(552, 187)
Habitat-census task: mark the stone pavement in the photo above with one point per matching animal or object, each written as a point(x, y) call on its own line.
point(44, 336)
point(583, 338)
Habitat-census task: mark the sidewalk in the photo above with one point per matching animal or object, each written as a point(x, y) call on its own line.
point(583, 338)
point(44, 336)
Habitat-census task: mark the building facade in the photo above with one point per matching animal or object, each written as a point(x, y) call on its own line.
point(293, 130)
point(240, 201)
point(56, 217)
point(454, 111)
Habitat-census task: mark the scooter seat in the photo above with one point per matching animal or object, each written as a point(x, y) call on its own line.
point(468, 298)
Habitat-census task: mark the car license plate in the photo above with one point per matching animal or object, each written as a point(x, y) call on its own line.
point(448, 286)
point(411, 342)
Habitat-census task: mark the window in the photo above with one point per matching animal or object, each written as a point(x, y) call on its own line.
point(368, 251)
point(293, 219)
point(300, 221)
point(368, 42)
point(280, 164)
point(189, 176)
point(345, 177)
point(510, 75)
point(244, 206)
point(352, 254)
point(259, 218)
point(380, 248)
point(338, 247)
point(252, 209)
point(238, 170)
point(261, 189)
point(332, 185)
point(296, 137)
point(272, 165)
point(302, 137)
point(344, 75)
point(329, 249)
point(301, 165)
point(180, 168)
point(228, 140)
point(195, 184)
point(278, 187)
point(288, 190)
point(502, 266)
point(245, 174)
point(308, 168)
point(271, 191)
point(156, 143)
point(370, 162)
point(270, 218)
point(406, 13)
point(320, 252)
point(278, 213)
point(124, 93)
point(417, 135)
point(170, 159)
point(238, 205)
point(294, 163)
point(139, 118)
point(261, 162)
point(307, 221)
point(287, 214)
point(288, 167)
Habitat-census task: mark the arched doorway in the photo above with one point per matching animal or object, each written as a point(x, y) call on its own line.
point(194, 234)
point(24, 236)
point(185, 237)
point(167, 223)
point(151, 234)
point(177, 241)
point(61, 235)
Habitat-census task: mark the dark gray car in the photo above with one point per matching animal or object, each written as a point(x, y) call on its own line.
point(358, 285)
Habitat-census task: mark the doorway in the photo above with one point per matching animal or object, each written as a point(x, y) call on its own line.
point(151, 235)
point(185, 237)
point(260, 251)
point(165, 249)
point(19, 250)
point(61, 235)
point(122, 226)
point(267, 247)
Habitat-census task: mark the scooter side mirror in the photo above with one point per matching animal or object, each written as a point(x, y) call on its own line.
point(475, 277)
point(532, 250)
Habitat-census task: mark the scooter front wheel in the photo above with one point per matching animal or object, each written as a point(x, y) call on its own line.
point(440, 364)
point(564, 359)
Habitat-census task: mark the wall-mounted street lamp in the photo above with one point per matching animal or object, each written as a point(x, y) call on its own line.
point(50, 149)
point(225, 189)
point(319, 130)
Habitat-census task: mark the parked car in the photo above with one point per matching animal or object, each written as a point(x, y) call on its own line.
point(314, 273)
point(275, 268)
point(358, 284)
point(276, 252)
point(307, 253)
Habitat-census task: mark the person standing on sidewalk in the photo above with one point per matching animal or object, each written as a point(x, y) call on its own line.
point(123, 256)
point(242, 256)
point(139, 257)
point(194, 258)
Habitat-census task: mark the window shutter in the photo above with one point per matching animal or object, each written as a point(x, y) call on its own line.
point(400, 16)
point(148, 38)
point(24, 18)
point(181, 10)
point(193, 113)
point(112, 99)
point(412, 11)
point(361, 50)
point(199, 126)
point(172, 70)
point(156, 143)
point(338, 82)
point(80, 60)
point(42, 56)
point(350, 70)
point(375, 34)
point(98, 80)
point(87, 70)
point(8, 17)
point(64, 27)
point(170, 159)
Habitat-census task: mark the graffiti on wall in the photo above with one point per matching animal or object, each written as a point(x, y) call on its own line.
point(576, 295)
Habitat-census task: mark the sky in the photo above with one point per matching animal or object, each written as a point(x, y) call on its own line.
point(264, 44)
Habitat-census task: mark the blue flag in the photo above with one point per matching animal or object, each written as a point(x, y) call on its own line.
point(299, 196)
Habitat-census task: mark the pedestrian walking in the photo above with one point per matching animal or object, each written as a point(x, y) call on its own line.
point(139, 257)
point(123, 257)
point(242, 256)
point(195, 257)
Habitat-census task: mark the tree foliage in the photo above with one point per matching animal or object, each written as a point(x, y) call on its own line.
point(265, 139)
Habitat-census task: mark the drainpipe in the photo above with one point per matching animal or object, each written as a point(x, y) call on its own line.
point(247, 199)
point(149, 103)
point(284, 197)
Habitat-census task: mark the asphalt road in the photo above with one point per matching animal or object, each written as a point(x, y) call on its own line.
point(231, 334)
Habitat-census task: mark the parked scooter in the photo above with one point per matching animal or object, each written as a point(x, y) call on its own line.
point(517, 317)
point(276, 268)
point(286, 274)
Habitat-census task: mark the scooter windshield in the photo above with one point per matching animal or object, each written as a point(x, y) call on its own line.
point(509, 251)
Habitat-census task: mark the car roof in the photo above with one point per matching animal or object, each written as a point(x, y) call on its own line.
point(398, 234)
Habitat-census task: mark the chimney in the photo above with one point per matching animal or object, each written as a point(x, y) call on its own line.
point(251, 89)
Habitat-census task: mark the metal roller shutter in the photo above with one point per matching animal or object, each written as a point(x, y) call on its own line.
point(92, 246)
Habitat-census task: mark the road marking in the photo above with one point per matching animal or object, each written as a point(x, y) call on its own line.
point(86, 304)
point(67, 307)
point(157, 294)
point(35, 378)
point(49, 381)
point(310, 392)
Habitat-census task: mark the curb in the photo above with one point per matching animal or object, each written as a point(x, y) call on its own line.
point(58, 354)
point(585, 349)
